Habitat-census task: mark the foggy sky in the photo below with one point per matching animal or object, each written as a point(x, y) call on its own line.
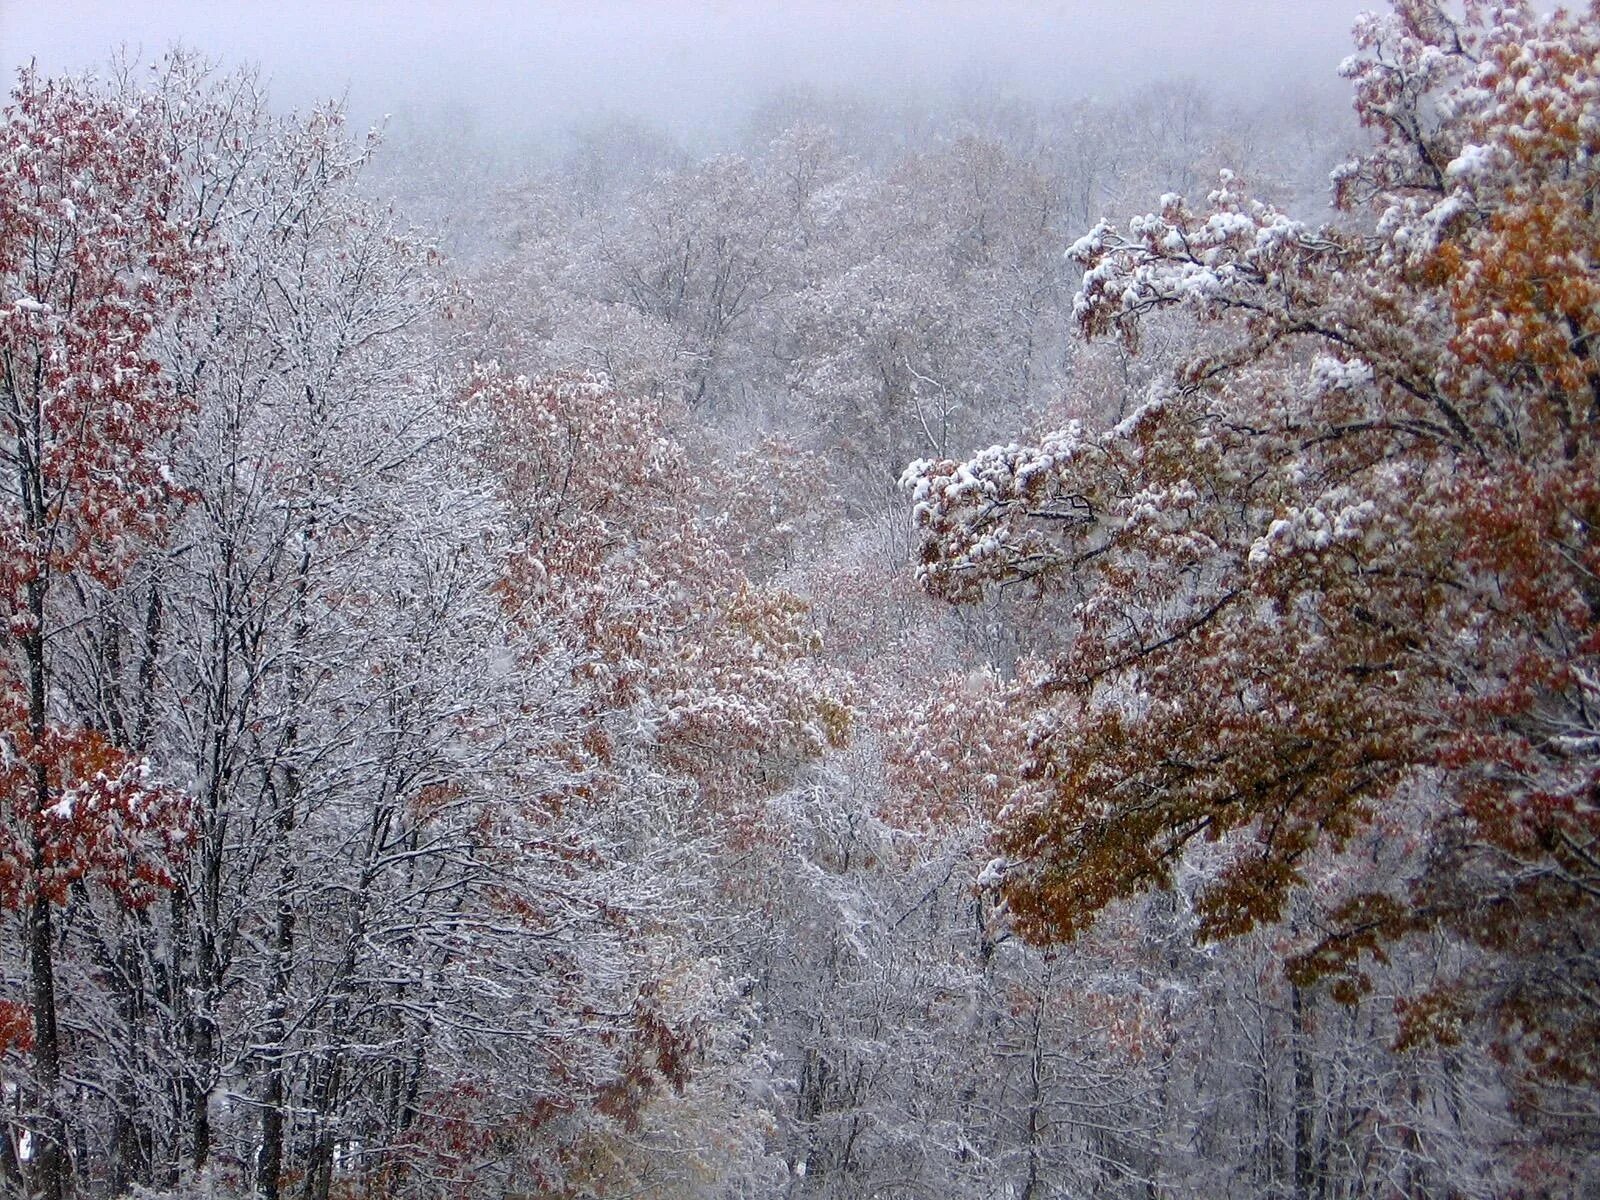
point(688, 66)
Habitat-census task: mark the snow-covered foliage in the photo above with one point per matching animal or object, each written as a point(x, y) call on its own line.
point(1340, 567)
point(489, 724)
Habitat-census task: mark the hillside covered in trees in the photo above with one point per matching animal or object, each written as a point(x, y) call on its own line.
point(528, 682)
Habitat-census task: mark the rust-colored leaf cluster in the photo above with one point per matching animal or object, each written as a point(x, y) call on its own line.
point(1344, 566)
point(621, 554)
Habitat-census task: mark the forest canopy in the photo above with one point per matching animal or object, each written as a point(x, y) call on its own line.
point(491, 712)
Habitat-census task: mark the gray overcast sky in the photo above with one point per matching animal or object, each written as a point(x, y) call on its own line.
point(683, 64)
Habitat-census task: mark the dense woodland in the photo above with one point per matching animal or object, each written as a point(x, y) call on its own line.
point(519, 676)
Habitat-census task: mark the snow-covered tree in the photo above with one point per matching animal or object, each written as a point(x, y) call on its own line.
point(94, 255)
point(1341, 567)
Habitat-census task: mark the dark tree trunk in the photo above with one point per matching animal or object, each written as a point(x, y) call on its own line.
point(48, 1162)
point(1305, 1151)
point(269, 1159)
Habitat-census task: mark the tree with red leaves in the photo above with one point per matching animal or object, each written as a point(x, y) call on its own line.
point(1342, 568)
point(93, 253)
point(718, 674)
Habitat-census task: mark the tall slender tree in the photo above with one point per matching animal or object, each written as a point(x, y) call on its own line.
point(94, 254)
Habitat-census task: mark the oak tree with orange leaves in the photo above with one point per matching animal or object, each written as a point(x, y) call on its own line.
point(93, 253)
point(623, 549)
point(1343, 565)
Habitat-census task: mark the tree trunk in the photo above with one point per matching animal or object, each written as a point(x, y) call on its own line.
point(48, 1161)
point(1305, 1155)
point(269, 1159)
point(131, 1141)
